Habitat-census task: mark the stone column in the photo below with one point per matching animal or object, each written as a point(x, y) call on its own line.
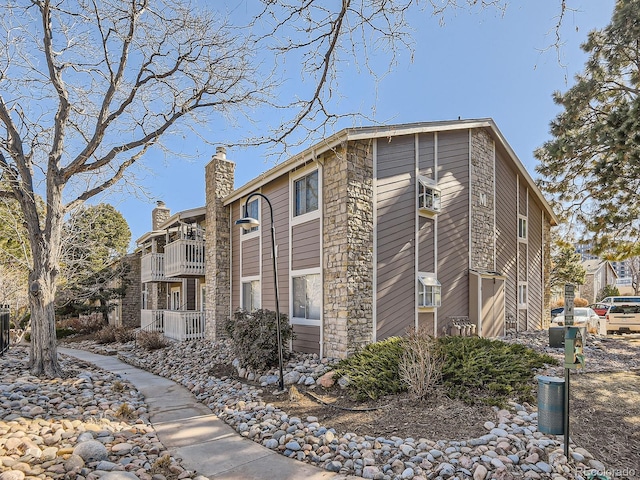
point(348, 249)
point(219, 178)
point(482, 201)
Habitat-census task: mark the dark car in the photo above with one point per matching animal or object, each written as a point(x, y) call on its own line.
point(557, 311)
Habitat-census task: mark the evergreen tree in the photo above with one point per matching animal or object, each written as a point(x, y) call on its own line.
point(566, 265)
point(591, 166)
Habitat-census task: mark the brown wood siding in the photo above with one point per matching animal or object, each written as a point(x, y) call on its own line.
point(453, 226)
point(250, 257)
point(305, 245)
point(426, 252)
point(535, 265)
point(506, 229)
point(235, 258)
point(278, 193)
point(307, 339)
point(396, 210)
point(426, 155)
point(426, 322)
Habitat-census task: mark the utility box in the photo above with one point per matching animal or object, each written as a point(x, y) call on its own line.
point(551, 405)
point(574, 348)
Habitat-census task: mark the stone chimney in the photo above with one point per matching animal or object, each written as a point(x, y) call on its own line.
point(219, 178)
point(159, 215)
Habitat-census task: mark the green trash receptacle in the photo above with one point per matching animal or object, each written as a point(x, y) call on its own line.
point(551, 405)
point(556, 337)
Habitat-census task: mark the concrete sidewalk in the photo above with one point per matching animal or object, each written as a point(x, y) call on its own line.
point(205, 443)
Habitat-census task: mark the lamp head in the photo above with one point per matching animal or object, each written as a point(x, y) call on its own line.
point(247, 223)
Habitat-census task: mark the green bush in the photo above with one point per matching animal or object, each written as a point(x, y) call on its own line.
point(62, 332)
point(475, 370)
point(374, 371)
point(489, 371)
point(254, 337)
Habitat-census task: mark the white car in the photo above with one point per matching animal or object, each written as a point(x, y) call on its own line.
point(582, 317)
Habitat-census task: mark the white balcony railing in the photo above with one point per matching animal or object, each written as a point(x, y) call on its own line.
point(184, 258)
point(184, 325)
point(152, 320)
point(152, 268)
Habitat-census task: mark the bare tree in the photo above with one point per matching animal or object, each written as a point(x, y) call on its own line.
point(87, 88)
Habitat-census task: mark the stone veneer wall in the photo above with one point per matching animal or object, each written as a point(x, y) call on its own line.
point(482, 201)
point(159, 215)
point(131, 302)
point(219, 178)
point(348, 249)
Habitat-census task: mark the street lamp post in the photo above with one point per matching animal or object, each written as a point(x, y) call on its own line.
point(246, 223)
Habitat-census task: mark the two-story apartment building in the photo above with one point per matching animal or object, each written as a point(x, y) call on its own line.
point(378, 230)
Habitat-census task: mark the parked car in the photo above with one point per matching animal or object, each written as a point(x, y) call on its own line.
point(622, 299)
point(601, 308)
point(623, 318)
point(556, 311)
point(582, 317)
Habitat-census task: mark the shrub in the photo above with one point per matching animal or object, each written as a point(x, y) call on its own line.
point(85, 324)
point(580, 302)
point(254, 337)
point(151, 340)
point(62, 332)
point(421, 363)
point(374, 371)
point(489, 371)
point(125, 334)
point(106, 335)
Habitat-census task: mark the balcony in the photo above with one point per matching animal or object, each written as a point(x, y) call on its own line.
point(152, 268)
point(184, 258)
point(152, 320)
point(174, 324)
point(184, 325)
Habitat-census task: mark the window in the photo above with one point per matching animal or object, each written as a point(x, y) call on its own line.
point(253, 211)
point(522, 295)
point(428, 195)
point(429, 290)
point(307, 293)
point(175, 298)
point(251, 295)
point(306, 194)
point(522, 228)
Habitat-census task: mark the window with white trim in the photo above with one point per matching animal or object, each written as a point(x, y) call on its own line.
point(251, 295)
point(253, 211)
point(305, 194)
point(429, 196)
point(307, 293)
point(145, 297)
point(522, 295)
point(522, 228)
point(429, 290)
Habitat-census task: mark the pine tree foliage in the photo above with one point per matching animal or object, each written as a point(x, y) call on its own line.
point(591, 166)
point(566, 265)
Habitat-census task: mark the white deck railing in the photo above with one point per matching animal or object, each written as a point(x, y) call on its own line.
point(152, 320)
point(152, 268)
point(184, 258)
point(184, 325)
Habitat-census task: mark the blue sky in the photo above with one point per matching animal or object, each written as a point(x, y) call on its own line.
point(476, 65)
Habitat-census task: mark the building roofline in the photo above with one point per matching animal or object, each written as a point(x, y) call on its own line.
point(363, 133)
point(177, 217)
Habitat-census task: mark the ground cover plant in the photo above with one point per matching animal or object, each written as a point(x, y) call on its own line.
point(472, 369)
